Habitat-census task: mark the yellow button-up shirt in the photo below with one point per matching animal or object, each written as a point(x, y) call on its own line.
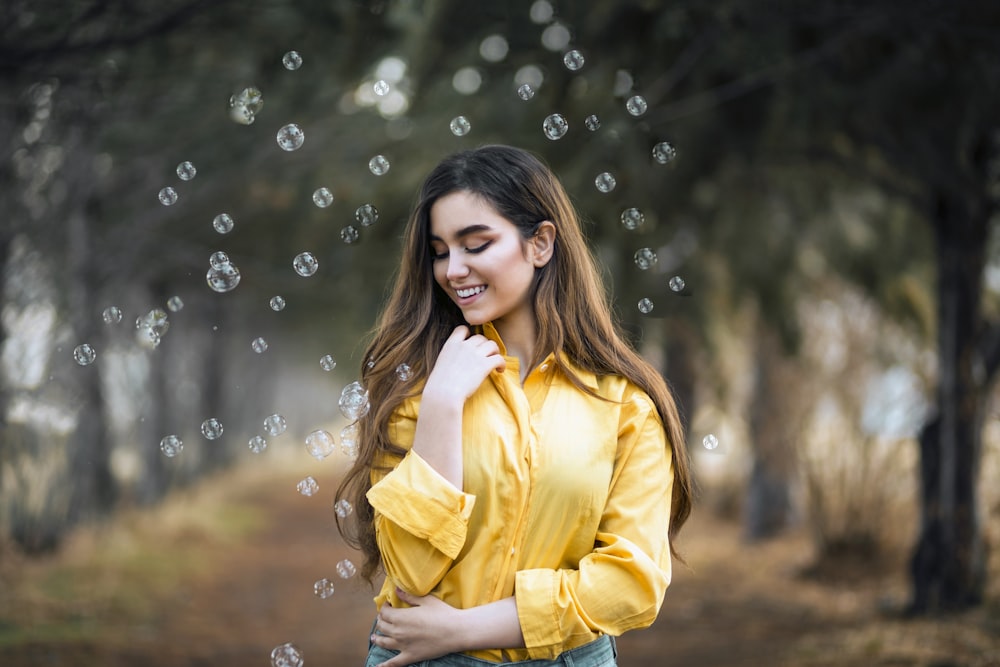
point(566, 505)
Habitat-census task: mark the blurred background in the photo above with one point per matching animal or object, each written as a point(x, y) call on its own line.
point(795, 205)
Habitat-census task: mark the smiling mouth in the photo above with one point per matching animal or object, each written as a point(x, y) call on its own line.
point(471, 291)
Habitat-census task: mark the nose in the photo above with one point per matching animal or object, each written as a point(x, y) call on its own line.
point(457, 268)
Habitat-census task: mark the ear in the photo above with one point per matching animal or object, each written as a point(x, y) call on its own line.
point(543, 243)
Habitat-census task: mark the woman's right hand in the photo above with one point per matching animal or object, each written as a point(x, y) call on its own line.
point(462, 365)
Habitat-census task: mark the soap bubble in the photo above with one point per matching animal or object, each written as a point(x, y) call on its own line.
point(218, 259)
point(592, 122)
point(494, 48)
point(632, 219)
point(404, 372)
point(644, 258)
point(287, 655)
point(573, 60)
point(645, 306)
point(354, 401)
point(259, 345)
point(211, 428)
point(257, 444)
point(710, 442)
point(112, 315)
point(525, 91)
point(343, 508)
point(636, 105)
point(323, 588)
point(156, 320)
point(290, 137)
point(171, 446)
point(327, 362)
point(664, 152)
point(555, 126)
point(275, 424)
point(366, 214)
point(245, 105)
point(175, 303)
point(168, 196)
point(605, 182)
point(381, 87)
point(223, 223)
point(305, 264)
point(223, 278)
point(323, 197)
point(349, 234)
point(346, 569)
point(676, 284)
point(186, 171)
point(460, 126)
point(147, 337)
point(467, 80)
point(84, 354)
point(378, 165)
point(349, 440)
point(292, 60)
point(277, 303)
point(320, 444)
point(308, 486)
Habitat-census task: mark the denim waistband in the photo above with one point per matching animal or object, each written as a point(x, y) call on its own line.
point(599, 653)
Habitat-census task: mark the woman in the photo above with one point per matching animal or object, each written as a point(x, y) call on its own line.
point(522, 489)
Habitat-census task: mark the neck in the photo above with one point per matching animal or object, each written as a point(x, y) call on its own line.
point(519, 336)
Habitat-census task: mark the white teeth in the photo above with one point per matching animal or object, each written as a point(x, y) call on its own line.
point(465, 293)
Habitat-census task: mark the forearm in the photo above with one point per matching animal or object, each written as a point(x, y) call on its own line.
point(492, 625)
point(438, 437)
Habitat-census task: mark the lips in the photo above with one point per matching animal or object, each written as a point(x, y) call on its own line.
point(468, 292)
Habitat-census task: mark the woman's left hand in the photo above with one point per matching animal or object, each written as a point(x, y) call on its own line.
point(425, 630)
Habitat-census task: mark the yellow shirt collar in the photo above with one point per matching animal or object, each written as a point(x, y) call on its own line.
point(588, 378)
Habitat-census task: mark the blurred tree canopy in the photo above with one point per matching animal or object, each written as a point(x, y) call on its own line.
point(856, 139)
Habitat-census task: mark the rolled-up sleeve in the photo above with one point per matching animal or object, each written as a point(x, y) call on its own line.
point(620, 585)
point(421, 519)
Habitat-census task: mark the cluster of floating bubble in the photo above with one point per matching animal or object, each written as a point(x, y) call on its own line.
point(573, 60)
point(292, 60)
point(605, 182)
point(277, 303)
point(346, 569)
point(150, 329)
point(349, 440)
point(112, 315)
point(378, 165)
point(676, 284)
point(257, 444)
point(632, 219)
point(245, 105)
point(168, 196)
point(349, 234)
point(645, 306)
point(366, 214)
point(323, 588)
point(555, 126)
point(592, 122)
point(186, 171)
point(525, 91)
point(320, 444)
point(354, 401)
point(287, 655)
point(222, 276)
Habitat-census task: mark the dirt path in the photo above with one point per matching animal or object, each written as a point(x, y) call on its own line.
point(735, 606)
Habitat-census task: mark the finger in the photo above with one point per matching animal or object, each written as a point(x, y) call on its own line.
point(461, 332)
point(411, 600)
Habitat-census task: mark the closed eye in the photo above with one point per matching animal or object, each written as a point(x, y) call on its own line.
point(435, 256)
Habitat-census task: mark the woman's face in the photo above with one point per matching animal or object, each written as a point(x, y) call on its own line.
point(481, 260)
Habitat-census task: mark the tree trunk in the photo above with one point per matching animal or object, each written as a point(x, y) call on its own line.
point(948, 566)
point(768, 506)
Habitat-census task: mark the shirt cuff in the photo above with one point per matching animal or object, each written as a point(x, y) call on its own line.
point(536, 592)
point(422, 502)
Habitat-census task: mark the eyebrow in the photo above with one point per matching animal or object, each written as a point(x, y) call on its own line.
point(465, 231)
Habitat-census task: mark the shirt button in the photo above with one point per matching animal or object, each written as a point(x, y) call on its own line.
point(544, 367)
point(512, 551)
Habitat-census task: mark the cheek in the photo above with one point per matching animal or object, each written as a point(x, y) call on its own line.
point(440, 270)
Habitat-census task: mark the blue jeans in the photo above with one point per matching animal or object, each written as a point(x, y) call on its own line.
point(599, 653)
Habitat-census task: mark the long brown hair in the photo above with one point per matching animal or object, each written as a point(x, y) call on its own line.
point(570, 303)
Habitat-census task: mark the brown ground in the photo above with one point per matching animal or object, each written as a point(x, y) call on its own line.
point(190, 595)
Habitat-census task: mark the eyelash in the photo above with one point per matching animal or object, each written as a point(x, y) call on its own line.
point(471, 251)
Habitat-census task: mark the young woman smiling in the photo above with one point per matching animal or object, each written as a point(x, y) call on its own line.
point(522, 491)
